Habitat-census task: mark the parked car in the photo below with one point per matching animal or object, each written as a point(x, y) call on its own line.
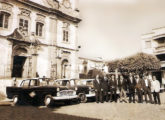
point(40, 90)
point(83, 91)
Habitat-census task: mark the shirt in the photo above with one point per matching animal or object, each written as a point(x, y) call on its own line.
point(98, 81)
point(131, 79)
point(137, 80)
point(155, 86)
point(146, 82)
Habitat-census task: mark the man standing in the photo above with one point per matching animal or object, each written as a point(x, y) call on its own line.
point(156, 90)
point(97, 87)
point(147, 88)
point(113, 88)
point(105, 87)
point(131, 88)
point(138, 88)
point(122, 87)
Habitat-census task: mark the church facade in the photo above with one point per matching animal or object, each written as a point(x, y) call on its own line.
point(38, 38)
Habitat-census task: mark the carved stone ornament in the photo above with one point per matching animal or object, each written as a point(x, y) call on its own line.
point(53, 3)
point(5, 7)
point(25, 12)
point(65, 25)
point(67, 3)
point(40, 18)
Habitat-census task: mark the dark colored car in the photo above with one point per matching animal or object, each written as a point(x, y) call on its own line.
point(39, 90)
point(83, 91)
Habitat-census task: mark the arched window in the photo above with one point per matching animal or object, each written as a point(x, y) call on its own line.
point(39, 29)
point(4, 19)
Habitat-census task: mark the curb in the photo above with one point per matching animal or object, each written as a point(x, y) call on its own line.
point(5, 103)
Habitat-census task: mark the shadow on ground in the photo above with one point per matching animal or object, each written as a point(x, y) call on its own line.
point(28, 112)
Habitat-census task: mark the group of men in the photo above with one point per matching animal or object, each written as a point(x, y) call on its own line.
point(110, 88)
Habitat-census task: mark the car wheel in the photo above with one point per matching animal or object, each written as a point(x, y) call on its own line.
point(48, 100)
point(83, 98)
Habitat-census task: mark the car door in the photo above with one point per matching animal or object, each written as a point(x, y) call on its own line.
point(34, 88)
point(25, 89)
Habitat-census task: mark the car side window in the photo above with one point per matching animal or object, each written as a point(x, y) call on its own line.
point(34, 83)
point(25, 83)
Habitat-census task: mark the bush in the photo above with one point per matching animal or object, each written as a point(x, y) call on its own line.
point(2, 96)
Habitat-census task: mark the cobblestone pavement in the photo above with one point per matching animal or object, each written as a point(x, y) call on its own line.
point(117, 111)
point(85, 111)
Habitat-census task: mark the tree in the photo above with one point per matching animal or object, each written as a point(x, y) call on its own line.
point(138, 63)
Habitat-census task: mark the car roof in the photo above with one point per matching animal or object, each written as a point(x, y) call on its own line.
point(86, 79)
point(31, 79)
point(35, 78)
point(62, 79)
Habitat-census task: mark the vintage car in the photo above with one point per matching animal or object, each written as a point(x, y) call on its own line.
point(40, 91)
point(82, 90)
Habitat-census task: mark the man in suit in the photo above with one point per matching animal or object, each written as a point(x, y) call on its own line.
point(139, 88)
point(105, 86)
point(122, 85)
point(147, 88)
point(98, 90)
point(113, 88)
point(131, 88)
point(156, 89)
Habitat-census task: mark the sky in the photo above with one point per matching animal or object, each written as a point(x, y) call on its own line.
point(112, 29)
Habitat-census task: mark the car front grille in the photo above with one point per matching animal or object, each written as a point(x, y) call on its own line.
point(67, 93)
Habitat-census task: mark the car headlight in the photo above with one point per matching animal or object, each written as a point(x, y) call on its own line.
point(76, 88)
point(58, 94)
point(58, 89)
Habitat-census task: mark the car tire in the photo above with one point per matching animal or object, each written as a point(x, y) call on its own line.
point(48, 100)
point(83, 98)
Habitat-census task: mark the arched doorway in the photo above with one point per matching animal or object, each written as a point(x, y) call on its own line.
point(65, 69)
point(19, 58)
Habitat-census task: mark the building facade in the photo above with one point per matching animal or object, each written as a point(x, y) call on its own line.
point(38, 38)
point(87, 64)
point(154, 43)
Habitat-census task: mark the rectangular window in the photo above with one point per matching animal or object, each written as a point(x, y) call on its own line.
point(65, 35)
point(23, 26)
point(1, 20)
point(39, 29)
point(148, 44)
point(4, 19)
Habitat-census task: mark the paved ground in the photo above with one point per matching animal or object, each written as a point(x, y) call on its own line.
point(115, 111)
point(34, 113)
point(106, 111)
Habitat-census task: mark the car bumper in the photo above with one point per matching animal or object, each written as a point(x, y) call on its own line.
point(65, 97)
point(90, 95)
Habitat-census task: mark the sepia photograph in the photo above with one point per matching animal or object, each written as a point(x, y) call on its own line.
point(82, 59)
